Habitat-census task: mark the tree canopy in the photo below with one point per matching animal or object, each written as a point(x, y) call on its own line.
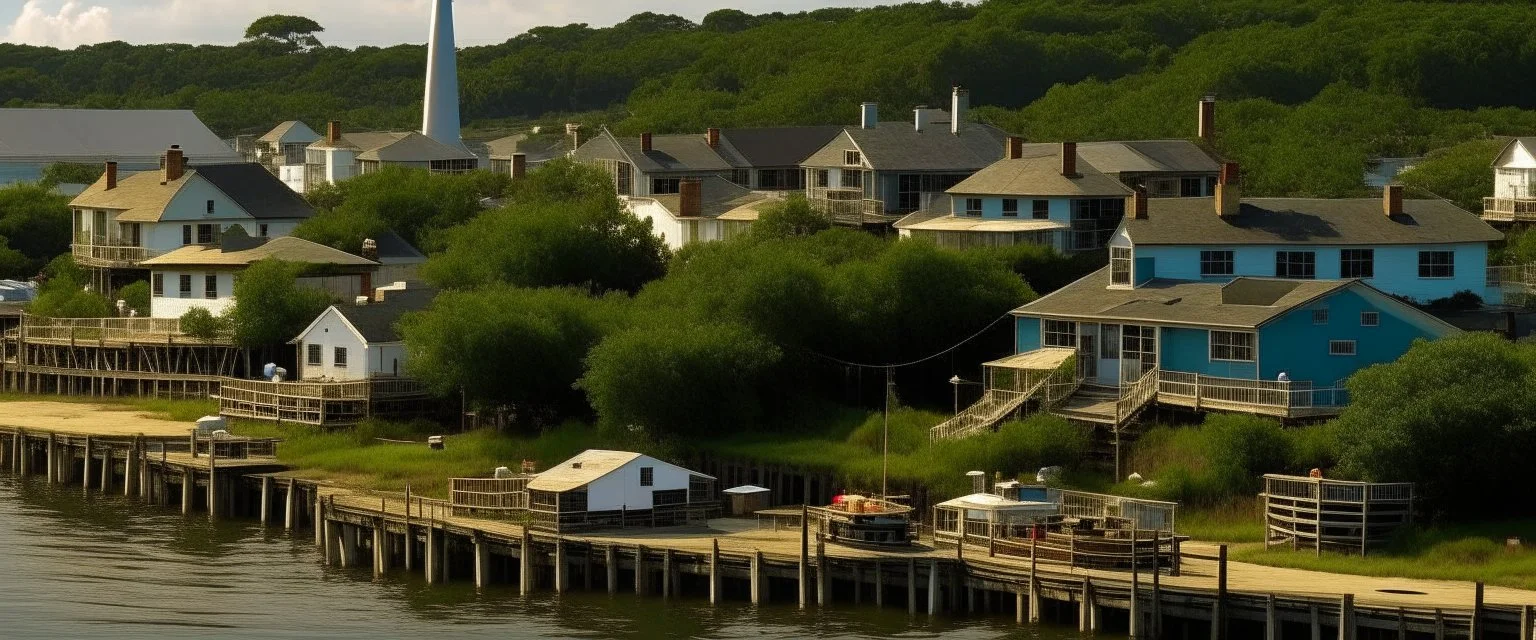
point(296, 31)
point(35, 226)
point(271, 307)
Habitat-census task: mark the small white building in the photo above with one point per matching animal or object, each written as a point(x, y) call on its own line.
point(281, 150)
point(359, 340)
point(604, 487)
point(1514, 183)
point(204, 275)
point(704, 209)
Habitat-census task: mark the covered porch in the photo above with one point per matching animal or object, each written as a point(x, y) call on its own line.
point(1043, 375)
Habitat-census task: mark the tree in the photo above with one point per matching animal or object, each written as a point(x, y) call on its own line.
point(35, 222)
point(792, 217)
point(58, 173)
point(136, 296)
point(414, 203)
point(1454, 416)
point(199, 323)
point(65, 294)
point(270, 306)
point(1460, 173)
point(296, 31)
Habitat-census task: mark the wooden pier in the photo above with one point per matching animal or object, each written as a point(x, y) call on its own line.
point(739, 560)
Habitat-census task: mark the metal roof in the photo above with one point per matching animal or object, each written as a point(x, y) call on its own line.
point(137, 136)
point(1306, 221)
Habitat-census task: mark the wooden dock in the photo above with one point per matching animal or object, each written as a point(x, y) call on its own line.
point(734, 559)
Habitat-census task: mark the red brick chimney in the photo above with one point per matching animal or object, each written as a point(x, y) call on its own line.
point(1013, 147)
point(1069, 160)
point(333, 132)
point(1207, 123)
point(111, 175)
point(1139, 203)
point(519, 166)
point(173, 164)
point(712, 136)
point(1229, 190)
point(645, 142)
point(1392, 200)
point(690, 198)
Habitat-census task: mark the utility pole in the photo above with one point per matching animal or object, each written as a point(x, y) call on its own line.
point(885, 439)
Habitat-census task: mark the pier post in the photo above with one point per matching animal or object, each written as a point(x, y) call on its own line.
point(858, 584)
point(107, 470)
point(53, 453)
point(1136, 631)
point(524, 564)
point(823, 579)
point(933, 587)
point(349, 544)
point(144, 475)
point(188, 482)
point(1271, 623)
point(611, 567)
point(714, 571)
point(482, 562)
point(1018, 606)
point(802, 587)
point(639, 569)
point(911, 586)
point(1085, 609)
point(666, 574)
point(266, 501)
point(1347, 617)
point(85, 476)
point(1034, 580)
point(380, 543)
point(1528, 622)
point(562, 567)
point(433, 556)
point(291, 507)
point(330, 541)
point(19, 453)
point(586, 568)
point(319, 518)
point(757, 577)
point(1317, 623)
point(1219, 608)
point(879, 584)
point(1476, 632)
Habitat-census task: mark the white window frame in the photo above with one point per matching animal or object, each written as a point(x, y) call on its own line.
point(852, 158)
point(1374, 318)
point(1047, 330)
point(1335, 348)
point(647, 476)
point(1121, 265)
point(1252, 345)
point(973, 211)
point(314, 355)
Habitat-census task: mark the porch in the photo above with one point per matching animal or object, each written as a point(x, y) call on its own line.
point(330, 404)
point(847, 205)
point(110, 256)
point(1509, 209)
point(1046, 376)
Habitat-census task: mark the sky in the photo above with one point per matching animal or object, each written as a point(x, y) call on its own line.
point(348, 23)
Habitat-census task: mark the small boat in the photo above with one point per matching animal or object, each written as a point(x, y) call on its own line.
point(862, 520)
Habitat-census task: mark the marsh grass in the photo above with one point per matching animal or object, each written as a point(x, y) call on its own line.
point(1469, 552)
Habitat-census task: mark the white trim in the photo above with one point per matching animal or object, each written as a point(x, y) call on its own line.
point(1210, 345)
point(300, 338)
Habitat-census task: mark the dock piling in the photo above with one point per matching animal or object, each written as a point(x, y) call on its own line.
point(563, 569)
point(1271, 623)
point(482, 562)
point(823, 579)
point(188, 481)
point(611, 566)
point(933, 587)
point(524, 564)
point(85, 477)
point(667, 582)
point(107, 470)
point(757, 577)
point(53, 452)
point(911, 586)
point(434, 556)
point(1085, 610)
point(639, 569)
point(380, 544)
point(1528, 622)
point(266, 500)
point(1219, 609)
point(714, 571)
point(879, 584)
point(1476, 632)
point(1347, 617)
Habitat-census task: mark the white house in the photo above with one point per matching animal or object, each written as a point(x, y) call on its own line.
point(119, 222)
point(704, 209)
point(1514, 183)
point(339, 156)
point(282, 151)
point(359, 341)
point(203, 275)
point(598, 480)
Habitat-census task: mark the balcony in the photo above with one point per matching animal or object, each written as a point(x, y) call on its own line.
point(110, 256)
point(845, 205)
point(1509, 209)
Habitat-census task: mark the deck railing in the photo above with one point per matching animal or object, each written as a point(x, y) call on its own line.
point(848, 205)
point(1136, 395)
point(318, 403)
point(1006, 395)
point(1156, 515)
point(110, 254)
point(491, 496)
point(1276, 396)
point(101, 329)
point(1509, 209)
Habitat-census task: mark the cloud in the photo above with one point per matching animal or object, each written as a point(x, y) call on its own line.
point(73, 25)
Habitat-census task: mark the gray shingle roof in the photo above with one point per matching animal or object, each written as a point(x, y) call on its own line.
point(778, 146)
point(290, 132)
point(1250, 303)
point(1039, 176)
point(898, 146)
point(1136, 156)
point(376, 320)
point(1529, 142)
point(717, 196)
point(669, 153)
point(1307, 221)
point(96, 135)
point(256, 190)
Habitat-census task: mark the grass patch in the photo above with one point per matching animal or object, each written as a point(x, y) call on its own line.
point(1234, 522)
point(1449, 552)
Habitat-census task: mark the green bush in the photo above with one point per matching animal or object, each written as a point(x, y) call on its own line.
point(199, 323)
point(136, 296)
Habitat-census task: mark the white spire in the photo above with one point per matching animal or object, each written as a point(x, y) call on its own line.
point(440, 106)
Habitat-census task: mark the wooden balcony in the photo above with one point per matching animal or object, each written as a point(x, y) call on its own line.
point(106, 331)
point(1293, 399)
point(1509, 209)
point(109, 256)
point(848, 206)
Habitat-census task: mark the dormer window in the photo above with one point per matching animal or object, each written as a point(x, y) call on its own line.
point(210, 208)
point(1120, 266)
point(853, 158)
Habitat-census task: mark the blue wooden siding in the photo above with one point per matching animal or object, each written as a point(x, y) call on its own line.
point(1145, 269)
point(1188, 350)
point(1027, 334)
point(1396, 266)
point(1294, 344)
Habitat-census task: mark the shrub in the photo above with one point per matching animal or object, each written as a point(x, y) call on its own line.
point(199, 323)
point(136, 296)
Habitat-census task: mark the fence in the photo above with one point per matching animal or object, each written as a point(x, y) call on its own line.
point(317, 403)
point(489, 496)
point(1316, 513)
point(1284, 398)
point(1509, 209)
point(145, 330)
point(1154, 515)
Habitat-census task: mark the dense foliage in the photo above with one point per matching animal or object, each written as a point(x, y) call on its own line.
point(34, 228)
point(417, 204)
point(65, 292)
point(271, 307)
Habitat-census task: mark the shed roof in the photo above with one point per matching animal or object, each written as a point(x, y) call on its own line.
point(1136, 156)
point(898, 146)
point(778, 146)
point(96, 135)
point(1306, 221)
point(290, 132)
point(238, 250)
point(1039, 176)
point(585, 467)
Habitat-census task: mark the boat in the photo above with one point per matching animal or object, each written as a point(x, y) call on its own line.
point(866, 521)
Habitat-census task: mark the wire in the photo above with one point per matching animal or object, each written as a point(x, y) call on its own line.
point(921, 360)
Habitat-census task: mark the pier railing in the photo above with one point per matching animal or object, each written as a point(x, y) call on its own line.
point(1318, 513)
point(495, 497)
point(101, 330)
point(318, 403)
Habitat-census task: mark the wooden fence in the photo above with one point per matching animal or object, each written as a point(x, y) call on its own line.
point(1318, 514)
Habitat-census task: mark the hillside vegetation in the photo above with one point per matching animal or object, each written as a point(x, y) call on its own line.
point(1310, 88)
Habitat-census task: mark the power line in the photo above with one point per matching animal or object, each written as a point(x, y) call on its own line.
point(921, 360)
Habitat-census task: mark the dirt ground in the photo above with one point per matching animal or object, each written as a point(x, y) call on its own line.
point(76, 418)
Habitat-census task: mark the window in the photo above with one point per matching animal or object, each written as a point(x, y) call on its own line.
point(1191, 187)
point(821, 178)
point(210, 208)
point(185, 285)
point(1109, 341)
point(1094, 221)
point(1232, 345)
point(853, 158)
point(1215, 263)
point(973, 206)
point(313, 352)
point(1357, 263)
point(853, 179)
point(1120, 266)
point(1059, 333)
point(157, 285)
point(1320, 316)
point(1341, 347)
point(207, 234)
point(663, 186)
point(647, 476)
point(455, 165)
point(1437, 264)
point(186, 234)
point(1295, 264)
point(1042, 209)
point(1139, 343)
point(667, 497)
point(1011, 207)
point(261, 230)
point(339, 357)
point(210, 286)
point(1370, 319)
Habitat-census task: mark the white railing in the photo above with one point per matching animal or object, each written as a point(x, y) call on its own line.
point(1006, 395)
point(1509, 209)
point(847, 205)
point(1282, 396)
point(993, 406)
point(100, 329)
point(1136, 395)
point(108, 254)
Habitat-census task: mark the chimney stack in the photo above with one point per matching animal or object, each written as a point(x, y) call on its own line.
point(645, 142)
point(712, 136)
point(111, 175)
point(1207, 123)
point(573, 131)
point(1013, 147)
point(173, 164)
point(440, 106)
point(370, 252)
point(1392, 200)
point(333, 132)
point(959, 104)
point(519, 166)
point(1229, 190)
point(1069, 160)
point(1139, 203)
point(869, 115)
point(920, 118)
point(690, 198)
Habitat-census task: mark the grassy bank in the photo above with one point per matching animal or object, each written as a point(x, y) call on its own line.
point(1449, 552)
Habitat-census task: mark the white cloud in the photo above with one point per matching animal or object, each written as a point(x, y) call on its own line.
point(73, 25)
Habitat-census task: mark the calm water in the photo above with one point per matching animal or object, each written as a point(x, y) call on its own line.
point(74, 565)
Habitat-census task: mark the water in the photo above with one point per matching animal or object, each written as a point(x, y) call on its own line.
point(77, 565)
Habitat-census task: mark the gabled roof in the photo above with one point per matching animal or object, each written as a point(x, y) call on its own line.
point(1306, 221)
point(1040, 176)
point(395, 146)
point(134, 136)
point(685, 152)
point(1136, 156)
point(587, 466)
point(899, 146)
point(536, 147)
point(375, 322)
point(393, 247)
point(235, 249)
point(777, 146)
point(142, 198)
point(717, 196)
point(1529, 142)
point(290, 132)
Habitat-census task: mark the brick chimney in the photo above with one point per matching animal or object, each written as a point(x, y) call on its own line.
point(1229, 190)
point(645, 142)
point(1392, 200)
point(1069, 160)
point(173, 164)
point(1013, 147)
point(1138, 203)
point(333, 131)
point(111, 175)
point(371, 252)
point(1207, 122)
point(690, 198)
point(519, 166)
point(712, 136)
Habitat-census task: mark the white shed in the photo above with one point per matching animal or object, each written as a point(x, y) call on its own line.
point(359, 341)
point(599, 487)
